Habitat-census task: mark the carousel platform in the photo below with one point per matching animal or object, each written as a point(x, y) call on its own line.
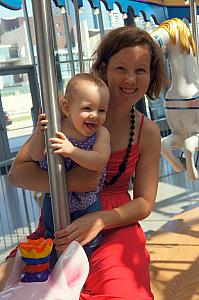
point(174, 251)
point(174, 245)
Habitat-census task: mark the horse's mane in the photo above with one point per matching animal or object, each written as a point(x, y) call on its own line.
point(185, 37)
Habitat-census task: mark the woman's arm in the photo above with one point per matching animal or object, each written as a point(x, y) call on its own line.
point(26, 173)
point(37, 146)
point(37, 141)
point(145, 189)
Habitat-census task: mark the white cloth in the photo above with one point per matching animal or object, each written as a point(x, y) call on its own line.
point(65, 282)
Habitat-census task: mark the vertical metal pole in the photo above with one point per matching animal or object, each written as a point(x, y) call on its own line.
point(57, 61)
point(95, 21)
point(42, 14)
point(193, 12)
point(28, 32)
point(26, 211)
point(67, 7)
point(100, 20)
point(68, 40)
point(79, 41)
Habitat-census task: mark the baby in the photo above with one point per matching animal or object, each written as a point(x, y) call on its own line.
point(83, 141)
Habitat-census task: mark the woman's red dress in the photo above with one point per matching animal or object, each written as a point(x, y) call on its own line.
point(119, 267)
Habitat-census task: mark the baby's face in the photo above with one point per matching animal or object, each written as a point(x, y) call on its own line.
point(88, 107)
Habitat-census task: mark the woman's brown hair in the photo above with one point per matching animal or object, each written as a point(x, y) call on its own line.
point(131, 36)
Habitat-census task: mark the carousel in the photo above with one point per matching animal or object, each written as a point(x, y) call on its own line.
point(174, 263)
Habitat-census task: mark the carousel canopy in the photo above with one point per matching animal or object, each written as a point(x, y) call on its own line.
point(14, 5)
point(158, 12)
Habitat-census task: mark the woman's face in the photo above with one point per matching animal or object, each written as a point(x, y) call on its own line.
point(128, 75)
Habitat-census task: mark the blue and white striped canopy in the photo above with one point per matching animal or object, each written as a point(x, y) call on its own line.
point(159, 12)
point(11, 4)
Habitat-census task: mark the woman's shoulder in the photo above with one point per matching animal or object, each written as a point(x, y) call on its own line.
point(150, 126)
point(150, 134)
point(144, 125)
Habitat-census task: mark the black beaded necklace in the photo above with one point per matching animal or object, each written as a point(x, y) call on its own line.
point(122, 166)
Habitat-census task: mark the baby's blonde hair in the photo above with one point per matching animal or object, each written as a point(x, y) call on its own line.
point(82, 77)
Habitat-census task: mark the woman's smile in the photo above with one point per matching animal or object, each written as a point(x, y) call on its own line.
point(128, 91)
point(128, 74)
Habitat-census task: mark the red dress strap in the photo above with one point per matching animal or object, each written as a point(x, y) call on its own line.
point(140, 130)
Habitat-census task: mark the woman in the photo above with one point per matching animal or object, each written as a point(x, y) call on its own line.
point(129, 61)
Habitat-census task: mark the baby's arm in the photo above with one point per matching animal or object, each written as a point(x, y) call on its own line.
point(94, 160)
point(37, 142)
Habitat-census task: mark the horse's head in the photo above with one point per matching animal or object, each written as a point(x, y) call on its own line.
point(175, 31)
point(175, 37)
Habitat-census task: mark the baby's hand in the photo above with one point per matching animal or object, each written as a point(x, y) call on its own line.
point(61, 145)
point(42, 123)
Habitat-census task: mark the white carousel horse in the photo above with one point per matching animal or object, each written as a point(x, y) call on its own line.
point(182, 97)
point(65, 281)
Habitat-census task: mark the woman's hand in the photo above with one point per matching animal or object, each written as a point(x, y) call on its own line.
point(83, 230)
point(42, 123)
